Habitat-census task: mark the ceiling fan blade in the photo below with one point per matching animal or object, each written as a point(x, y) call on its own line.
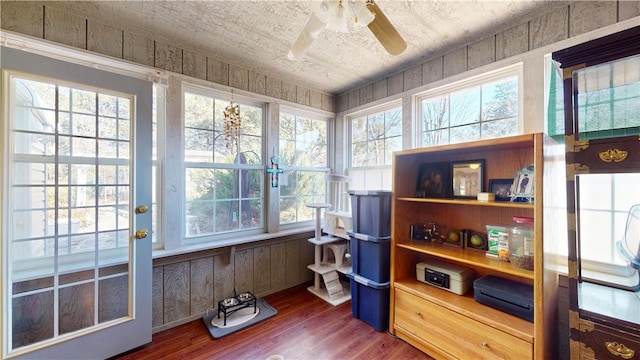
point(385, 32)
point(306, 38)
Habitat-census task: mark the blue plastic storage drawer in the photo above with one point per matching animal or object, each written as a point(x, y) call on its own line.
point(370, 301)
point(370, 256)
point(371, 212)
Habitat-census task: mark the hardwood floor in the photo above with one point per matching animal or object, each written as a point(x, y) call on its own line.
point(305, 327)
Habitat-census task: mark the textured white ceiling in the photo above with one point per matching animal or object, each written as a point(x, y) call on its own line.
point(257, 34)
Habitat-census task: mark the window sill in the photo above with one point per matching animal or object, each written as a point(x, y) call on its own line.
point(191, 248)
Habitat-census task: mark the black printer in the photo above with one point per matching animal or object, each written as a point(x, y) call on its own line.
point(509, 296)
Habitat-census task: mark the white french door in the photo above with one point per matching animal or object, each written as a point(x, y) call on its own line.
point(76, 210)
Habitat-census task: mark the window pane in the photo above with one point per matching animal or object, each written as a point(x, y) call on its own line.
point(604, 201)
point(435, 113)
point(306, 149)
point(499, 128)
point(251, 120)
point(250, 150)
point(287, 127)
point(359, 155)
point(393, 144)
point(500, 99)
point(434, 138)
point(464, 133)
point(198, 111)
point(393, 123)
point(358, 130)
point(375, 126)
point(465, 107)
point(224, 184)
point(83, 101)
point(375, 152)
point(198, 145)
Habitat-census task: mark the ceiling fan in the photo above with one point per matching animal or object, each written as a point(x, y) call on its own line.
point(341, 15)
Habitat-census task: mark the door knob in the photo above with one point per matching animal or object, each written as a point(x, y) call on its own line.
point(141, 234)
point(142, 209)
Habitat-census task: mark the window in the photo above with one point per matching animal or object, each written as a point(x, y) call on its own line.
point(224, 190)
point(374, 137)
point(477, 109)
point(303, 150)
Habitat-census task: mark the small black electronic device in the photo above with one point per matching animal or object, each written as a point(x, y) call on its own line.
point(418, 232)
point(507, 295)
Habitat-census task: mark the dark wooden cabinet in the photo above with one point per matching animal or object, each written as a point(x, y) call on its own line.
point(599, 341)
point(601, 80)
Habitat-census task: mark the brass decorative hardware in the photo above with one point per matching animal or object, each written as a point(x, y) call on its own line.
point(580, 145)
point(574, 145)
point(142, 209)
point(573, 270)
point(574, 320)
point(580, 348)
point(619, 349)
point(613, 155)
point(141, 234)
point(587, 326)
point(581, 168)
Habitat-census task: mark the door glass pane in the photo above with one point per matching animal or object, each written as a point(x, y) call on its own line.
point(604, 201)
point(69, 212)
point(608, 99)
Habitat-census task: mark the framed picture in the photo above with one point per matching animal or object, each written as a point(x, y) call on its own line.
point(433, 180)
point(467, 178)
point(523, 186)
point(501, 188)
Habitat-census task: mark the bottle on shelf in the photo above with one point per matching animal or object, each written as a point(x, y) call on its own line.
point(521, 245)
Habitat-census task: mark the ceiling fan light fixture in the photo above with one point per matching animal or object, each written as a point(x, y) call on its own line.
point(337, 17)
point(361, 16)
point(344, 15)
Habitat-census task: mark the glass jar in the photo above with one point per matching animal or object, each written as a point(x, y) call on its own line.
point(521, 245)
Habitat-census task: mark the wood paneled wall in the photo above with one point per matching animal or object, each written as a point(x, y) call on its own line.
point(44, 20)
point(566, 20)
point(187, 286)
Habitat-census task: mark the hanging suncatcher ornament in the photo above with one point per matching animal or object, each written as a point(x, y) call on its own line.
point(232, 123)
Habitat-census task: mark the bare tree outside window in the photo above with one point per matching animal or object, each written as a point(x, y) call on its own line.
point(486, 111)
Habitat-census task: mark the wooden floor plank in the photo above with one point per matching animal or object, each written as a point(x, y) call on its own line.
point(306, 327)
